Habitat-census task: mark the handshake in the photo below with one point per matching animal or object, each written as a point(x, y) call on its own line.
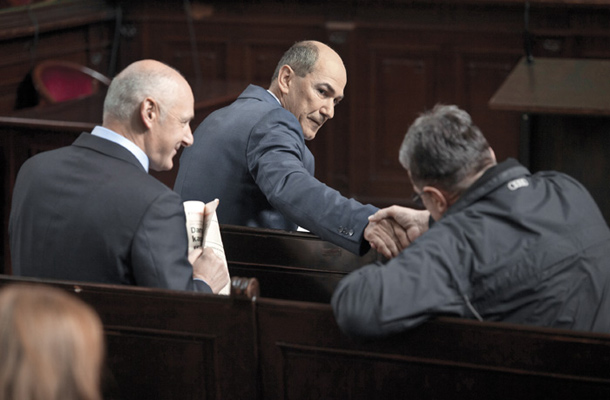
point(392, 229)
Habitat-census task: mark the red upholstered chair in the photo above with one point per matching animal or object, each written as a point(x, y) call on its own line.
point(58, 81)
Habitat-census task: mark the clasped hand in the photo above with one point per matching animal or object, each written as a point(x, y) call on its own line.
point(392, 229)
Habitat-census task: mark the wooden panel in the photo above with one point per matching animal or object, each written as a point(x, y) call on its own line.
point(289, 265)
point(79, 31)
point(401, 83)
point(164, 344)
point(556, 86)
point(211, 58)
point(577, 146)
point(303, 354)
point(480, 74)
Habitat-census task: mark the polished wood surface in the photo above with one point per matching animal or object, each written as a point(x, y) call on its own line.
point(556, 86)
point(165, 344)
point(303, 354)
point(289, 265)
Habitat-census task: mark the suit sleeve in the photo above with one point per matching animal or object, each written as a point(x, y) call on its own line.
point(160, 248)
point(276, 155)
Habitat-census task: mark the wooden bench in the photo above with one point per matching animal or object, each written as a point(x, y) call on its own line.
point(164, 344)
point(289, 265)
point(302, 354)
point(175, 345)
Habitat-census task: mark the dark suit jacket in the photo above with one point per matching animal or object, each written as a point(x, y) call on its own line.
point(90, 212)
point(252, 156)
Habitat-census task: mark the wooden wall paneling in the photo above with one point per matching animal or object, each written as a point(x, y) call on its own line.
point(577, 146)
point(304, 355)
point(396, 82)
point(79, 31)
point(480, 73)
point(15, 64)
point(211, 59)
point(89, 45)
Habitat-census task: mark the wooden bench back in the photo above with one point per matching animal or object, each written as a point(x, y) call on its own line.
point(289, 265)
point(301, 350)
point(164, 344)
point(174, 345)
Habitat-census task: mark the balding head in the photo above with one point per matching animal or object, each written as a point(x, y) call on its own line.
point(303, 56)
point(309, 82)
point(141, 79)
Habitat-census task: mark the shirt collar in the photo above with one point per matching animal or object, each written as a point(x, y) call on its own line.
point(274, 96)
point(107, 134)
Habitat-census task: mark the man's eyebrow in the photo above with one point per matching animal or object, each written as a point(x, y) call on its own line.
point(331, 89)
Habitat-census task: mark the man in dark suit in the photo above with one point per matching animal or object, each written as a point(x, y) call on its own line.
point(91, 212)
point(252, 156)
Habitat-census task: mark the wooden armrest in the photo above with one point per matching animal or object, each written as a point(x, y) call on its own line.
point(246, 288)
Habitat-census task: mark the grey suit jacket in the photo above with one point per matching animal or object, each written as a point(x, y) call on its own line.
point(252, 156)
point(90, 212)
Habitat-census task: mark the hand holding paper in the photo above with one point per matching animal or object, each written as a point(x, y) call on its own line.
point(203, 231)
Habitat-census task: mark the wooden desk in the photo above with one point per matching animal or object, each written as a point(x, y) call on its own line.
point(556, 86)
point(565, 106)
point(31, 131)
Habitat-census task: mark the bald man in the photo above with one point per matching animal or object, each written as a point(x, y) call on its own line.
point(252, 156)
point(91, 212)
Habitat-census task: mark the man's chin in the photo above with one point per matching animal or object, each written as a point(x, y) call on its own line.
point(311, 135)
point(162, 168)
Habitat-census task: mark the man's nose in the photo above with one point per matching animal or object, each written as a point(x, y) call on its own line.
point(188, 138)
point(328, 110)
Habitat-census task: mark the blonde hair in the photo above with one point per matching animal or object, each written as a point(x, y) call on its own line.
point(51, 345)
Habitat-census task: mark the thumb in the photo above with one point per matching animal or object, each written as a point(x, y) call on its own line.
point(195, 254)
point(378, 216)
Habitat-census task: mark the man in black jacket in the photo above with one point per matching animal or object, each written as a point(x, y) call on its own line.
point(503, 244)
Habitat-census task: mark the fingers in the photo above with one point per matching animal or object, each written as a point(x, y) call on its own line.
point(212, 269)
point(387, 237)
point(211, 206)
point(195, 254)
point(384, 213)
point(401, 235)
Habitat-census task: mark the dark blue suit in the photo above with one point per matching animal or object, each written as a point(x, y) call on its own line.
point(252, 156)
point(90, 212)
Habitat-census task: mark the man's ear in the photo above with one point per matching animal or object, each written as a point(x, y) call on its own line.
point(149, 112)
point(436, 199)
point(284, 78)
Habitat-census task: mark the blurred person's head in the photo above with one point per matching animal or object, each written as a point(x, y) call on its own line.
point(51, 345)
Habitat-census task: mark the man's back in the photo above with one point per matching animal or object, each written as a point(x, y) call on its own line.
point(520, 248)
point(252, 156)
point(89, 212)
point(216, 165)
